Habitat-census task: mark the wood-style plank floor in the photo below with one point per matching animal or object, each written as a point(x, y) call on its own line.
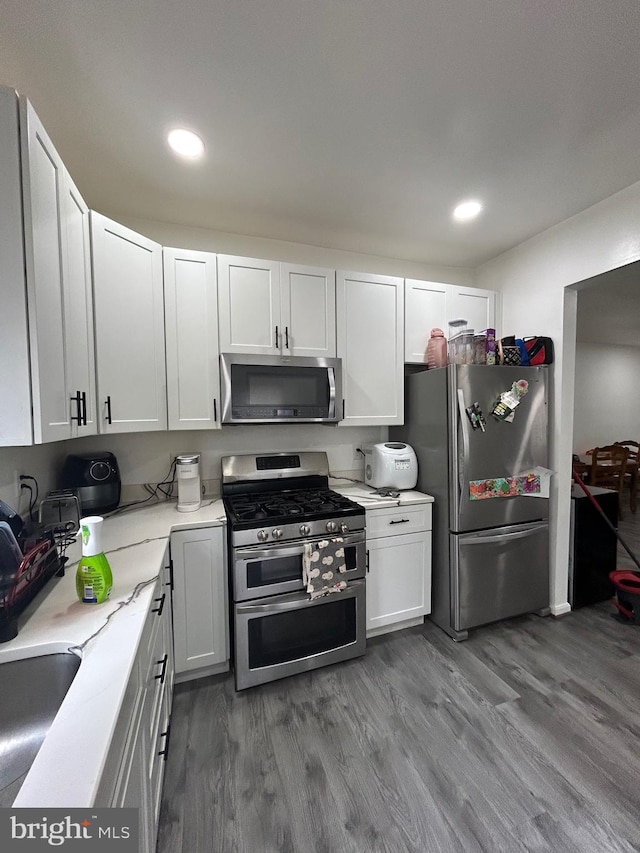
point(526, 737)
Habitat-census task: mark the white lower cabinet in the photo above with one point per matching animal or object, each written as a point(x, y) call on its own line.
point(133, 777)
point(398, 567)
point(200, 610)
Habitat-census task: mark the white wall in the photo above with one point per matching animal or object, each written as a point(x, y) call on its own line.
point(535, 279)
point(607, 405)
point(203, 240)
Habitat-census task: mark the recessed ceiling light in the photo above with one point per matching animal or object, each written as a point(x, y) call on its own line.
point(467, 210)
point(186, 143)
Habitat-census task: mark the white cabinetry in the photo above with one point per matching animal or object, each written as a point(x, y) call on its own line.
point(44, 233)
point(271, 308)
point(398, 567)
point(129, 323)
point(200, 610)
point(370, 323)
point(431, 304)
point(134, 772)
point(191, 326)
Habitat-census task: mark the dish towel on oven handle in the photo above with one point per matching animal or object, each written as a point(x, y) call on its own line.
point(322, 564)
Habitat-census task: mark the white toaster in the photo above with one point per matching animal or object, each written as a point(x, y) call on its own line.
point(390, 465)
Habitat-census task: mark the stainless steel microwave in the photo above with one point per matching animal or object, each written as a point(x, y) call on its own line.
point(274, 389)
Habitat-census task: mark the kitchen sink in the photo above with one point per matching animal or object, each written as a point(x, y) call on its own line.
point(31, 692)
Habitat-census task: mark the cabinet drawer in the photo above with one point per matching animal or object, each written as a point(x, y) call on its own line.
point(398, 520)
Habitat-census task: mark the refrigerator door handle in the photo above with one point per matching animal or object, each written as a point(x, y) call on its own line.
point(484, 539)
point(464, 427)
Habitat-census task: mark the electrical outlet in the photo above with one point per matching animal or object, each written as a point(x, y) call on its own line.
point(358, 457)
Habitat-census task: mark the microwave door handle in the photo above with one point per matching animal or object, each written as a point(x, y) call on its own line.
point(332, 392)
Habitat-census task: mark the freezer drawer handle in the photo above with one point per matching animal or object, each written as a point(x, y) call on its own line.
point(482, 540)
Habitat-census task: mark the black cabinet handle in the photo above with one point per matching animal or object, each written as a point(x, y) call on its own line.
point(215, 410)
point(163, 671)
point(169, 583)
point(77, 399)
point(166, 735)
point(276, 337)
point(158, 609)
point(400, 521)
point(84, 408)
point(286, 337)
point(108, 403)
point(367, 560)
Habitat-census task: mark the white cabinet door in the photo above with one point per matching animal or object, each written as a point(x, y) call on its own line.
point(16, 426)
point(370, 323)
point(200, 613)
point(399, 578)
point(425, 309)
point(43, 176)
point(129, 326)
point(249, 304)
point(476, 306)
point(431, 304)
point(191, 325)
point(44, 234)
point(308, 311)
point(78, 309)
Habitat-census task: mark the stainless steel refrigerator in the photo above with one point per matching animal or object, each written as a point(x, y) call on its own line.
point(490, 555)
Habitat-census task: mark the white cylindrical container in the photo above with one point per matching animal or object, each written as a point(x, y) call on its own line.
point(91, 531)
point(188, 475)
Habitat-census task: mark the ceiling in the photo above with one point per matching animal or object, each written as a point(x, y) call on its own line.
point(350, 124)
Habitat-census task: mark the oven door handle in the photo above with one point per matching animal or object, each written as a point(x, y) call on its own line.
point(298, 602)
point(295, 548)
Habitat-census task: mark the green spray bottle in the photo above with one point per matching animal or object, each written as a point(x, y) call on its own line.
point(93, 578)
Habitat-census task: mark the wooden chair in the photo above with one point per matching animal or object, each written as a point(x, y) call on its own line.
point(631, 474)
point(608, 469)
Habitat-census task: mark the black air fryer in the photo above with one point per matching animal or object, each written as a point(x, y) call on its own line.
point(95, 479)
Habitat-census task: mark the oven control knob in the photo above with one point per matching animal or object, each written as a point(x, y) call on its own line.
point(262, 535)
point(344, 528)
point(276, 533)
point(305, 530)
point(332, 526)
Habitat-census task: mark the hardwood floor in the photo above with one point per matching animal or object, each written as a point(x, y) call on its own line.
point(526, 737)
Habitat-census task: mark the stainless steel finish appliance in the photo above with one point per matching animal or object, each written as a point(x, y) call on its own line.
point(490, 557)
point(280, 389)
point(275, 505)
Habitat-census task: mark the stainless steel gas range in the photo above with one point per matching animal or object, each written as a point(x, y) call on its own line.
point(276, 504)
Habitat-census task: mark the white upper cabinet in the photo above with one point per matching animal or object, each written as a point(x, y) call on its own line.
point(249, 302)
point(53, 223)
point(308, 311)
point(431, 304)
point(129, 327)
point(191, 325)
point(16, 426)
point(78, 309)
point(370, 319)
point(271, 308)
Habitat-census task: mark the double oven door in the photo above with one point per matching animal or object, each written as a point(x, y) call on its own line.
point(278, 630)
point(260, 570)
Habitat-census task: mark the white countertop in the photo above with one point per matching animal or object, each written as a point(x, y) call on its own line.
point(370, 499)
point(67, 770)
point(68, 767)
